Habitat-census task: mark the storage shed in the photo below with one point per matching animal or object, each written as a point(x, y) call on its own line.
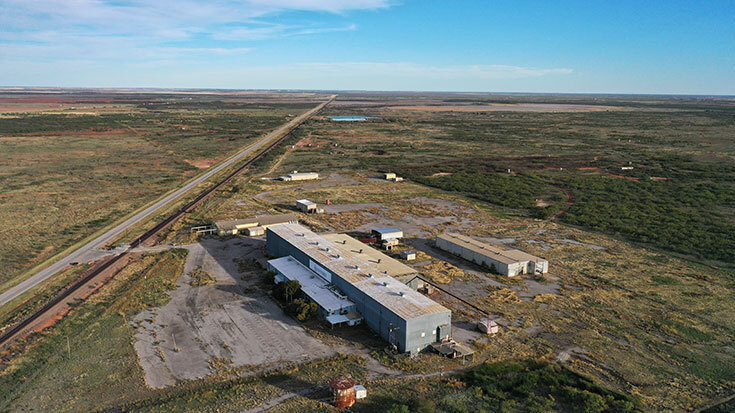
point(304, 205)
point(360, 392)
point(488, 326)
point(408, 255)
point(389, 175)
point(383, 234)
point(506, 262)
point(255, 231)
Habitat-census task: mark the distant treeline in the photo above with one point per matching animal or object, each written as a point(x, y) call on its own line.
point(680, 217)
point(692, 213)
point(519, 191)
point(52, 123)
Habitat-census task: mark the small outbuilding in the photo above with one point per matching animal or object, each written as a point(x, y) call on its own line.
point(255, 231)
point(304, 205)
point(360, 392)
point(488, 326)
point(383, 234)
point(408, 255)
point(388, 176)
point(387, 237)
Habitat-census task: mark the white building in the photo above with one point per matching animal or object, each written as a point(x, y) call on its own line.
point(506, 262)
point(300, 176)
point(304, 205)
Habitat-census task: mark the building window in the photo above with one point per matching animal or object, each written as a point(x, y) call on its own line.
point(423, 334)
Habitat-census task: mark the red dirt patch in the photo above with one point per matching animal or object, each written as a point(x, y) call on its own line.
point(200, 163)
point(565, 208)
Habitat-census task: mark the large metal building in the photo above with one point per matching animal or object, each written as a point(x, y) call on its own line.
point(404, 317)
point(506, 262)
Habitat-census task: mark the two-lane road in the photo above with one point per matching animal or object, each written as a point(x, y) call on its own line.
point(87, 251)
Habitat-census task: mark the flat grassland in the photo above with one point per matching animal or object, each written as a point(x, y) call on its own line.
point(635, 313)
point(88, 159)
point(651, 171)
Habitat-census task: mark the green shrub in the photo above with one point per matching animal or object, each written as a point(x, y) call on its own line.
point(286, 291)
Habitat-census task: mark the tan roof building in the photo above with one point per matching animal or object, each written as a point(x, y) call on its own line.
point(505, 262)
point(236, 226)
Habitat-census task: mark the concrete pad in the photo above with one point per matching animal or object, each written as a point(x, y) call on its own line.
point(204, 326)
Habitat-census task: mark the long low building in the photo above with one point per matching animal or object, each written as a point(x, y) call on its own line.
point(238, 226)
point(506, 262)
point(299, 176)
point(405, 318)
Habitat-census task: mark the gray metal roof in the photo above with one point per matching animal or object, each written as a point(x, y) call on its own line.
point(312, 284)
point(362, 273)
point(387, 230)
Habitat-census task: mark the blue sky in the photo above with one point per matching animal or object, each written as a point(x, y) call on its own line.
point(677, 47)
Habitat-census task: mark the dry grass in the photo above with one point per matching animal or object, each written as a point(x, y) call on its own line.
point(59, 186)
point(443, 272)
point(635, 331)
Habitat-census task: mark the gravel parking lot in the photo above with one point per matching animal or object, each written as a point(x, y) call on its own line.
point(232, 321)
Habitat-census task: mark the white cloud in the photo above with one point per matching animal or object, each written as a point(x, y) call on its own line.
point(410, 70)
point(93, 28)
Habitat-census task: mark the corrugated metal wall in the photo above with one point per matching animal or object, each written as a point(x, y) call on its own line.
point(406, 333)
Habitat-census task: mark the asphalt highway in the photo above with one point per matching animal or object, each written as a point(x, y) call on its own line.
point(91, 249)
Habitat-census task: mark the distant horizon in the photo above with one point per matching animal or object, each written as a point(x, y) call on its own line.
point(659, 47)
point(173, 89)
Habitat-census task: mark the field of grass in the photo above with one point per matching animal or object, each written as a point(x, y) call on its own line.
point(681, 153)
point(87, 362)
point(65, 175)
point(639, 317)
point(639, 307)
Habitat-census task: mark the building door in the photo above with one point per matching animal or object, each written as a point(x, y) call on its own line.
point(442, 331)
